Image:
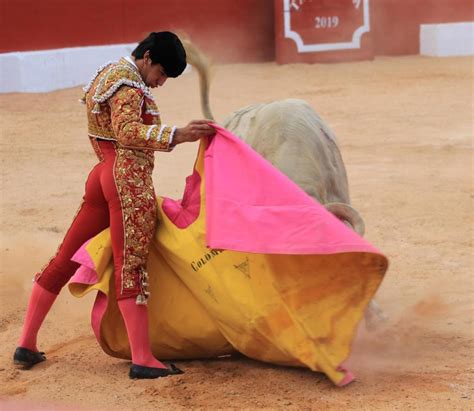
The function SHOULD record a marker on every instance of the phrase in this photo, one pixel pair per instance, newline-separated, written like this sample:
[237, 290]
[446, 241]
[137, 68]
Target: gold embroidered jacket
[121, 108]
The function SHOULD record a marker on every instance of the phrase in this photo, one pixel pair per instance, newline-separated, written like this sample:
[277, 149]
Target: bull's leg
[374, 316]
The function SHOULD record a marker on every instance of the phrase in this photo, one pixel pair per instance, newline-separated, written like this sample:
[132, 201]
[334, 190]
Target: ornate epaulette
[113, 76]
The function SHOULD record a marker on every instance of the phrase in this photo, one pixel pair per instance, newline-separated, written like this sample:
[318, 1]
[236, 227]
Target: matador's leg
[92, 217]
[133, 216]
[90, 220]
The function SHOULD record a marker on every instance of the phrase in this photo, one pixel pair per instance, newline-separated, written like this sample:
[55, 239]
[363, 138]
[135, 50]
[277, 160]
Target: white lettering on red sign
[326, 22]
[296, 4]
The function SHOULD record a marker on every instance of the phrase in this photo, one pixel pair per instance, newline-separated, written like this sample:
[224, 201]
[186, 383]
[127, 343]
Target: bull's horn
[347, 213]
[200, 62]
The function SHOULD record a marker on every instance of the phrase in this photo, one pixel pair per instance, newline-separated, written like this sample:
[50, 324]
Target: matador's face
[152, 74]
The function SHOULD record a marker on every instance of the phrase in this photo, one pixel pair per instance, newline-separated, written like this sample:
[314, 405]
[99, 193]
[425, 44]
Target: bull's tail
[201, 63]
[347, 213]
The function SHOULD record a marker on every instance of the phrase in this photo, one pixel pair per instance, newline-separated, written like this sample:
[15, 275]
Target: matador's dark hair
[165, 49]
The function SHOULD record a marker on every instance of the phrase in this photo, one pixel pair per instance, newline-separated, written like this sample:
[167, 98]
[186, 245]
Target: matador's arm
[126, 109]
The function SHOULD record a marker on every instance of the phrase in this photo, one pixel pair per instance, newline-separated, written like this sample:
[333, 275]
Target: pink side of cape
[86, 273]
[253, 207]
[184, 212]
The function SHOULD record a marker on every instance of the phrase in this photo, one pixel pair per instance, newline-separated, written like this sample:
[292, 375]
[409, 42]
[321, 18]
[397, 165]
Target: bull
[293, 138]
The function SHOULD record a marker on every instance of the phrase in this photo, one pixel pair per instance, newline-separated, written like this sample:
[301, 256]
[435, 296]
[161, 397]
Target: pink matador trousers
[119, 193]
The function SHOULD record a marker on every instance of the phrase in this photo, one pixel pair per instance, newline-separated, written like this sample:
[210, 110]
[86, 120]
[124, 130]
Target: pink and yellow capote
[246, 262]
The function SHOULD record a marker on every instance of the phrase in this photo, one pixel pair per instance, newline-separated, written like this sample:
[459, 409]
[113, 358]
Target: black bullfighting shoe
[27, 358]
[174, 370]
[142, 372]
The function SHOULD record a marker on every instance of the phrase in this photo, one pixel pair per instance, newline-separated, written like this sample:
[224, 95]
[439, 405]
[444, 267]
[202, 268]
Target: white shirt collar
[130, 60]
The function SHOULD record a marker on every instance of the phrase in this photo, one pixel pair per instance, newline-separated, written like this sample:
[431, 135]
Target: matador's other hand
[195, 130]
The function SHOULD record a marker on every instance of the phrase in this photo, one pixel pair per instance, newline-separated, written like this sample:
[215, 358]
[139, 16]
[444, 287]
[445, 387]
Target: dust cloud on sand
[405, 128]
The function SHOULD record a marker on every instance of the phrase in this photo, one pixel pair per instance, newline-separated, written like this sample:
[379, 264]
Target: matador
[125, 129]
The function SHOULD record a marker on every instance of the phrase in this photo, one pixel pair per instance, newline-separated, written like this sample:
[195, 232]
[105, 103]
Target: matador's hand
[195, 130]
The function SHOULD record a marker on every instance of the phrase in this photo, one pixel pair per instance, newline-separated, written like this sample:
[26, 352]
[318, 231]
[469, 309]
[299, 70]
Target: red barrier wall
[228, 30]
[396, 23]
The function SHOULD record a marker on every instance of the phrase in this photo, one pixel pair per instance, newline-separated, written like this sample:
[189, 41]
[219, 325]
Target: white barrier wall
[48, 70]
[445, 40]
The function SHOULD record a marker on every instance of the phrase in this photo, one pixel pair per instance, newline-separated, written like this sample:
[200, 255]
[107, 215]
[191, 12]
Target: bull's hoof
[374, 317]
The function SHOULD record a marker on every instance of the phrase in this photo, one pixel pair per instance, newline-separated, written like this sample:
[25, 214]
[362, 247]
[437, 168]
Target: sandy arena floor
[405, 126]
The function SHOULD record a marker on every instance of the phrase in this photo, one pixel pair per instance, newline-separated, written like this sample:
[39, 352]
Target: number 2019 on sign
[326, 22]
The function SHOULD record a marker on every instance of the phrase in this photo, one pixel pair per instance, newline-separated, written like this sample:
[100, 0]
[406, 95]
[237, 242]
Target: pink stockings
[39, 305]
[136, 322]
[135, 316]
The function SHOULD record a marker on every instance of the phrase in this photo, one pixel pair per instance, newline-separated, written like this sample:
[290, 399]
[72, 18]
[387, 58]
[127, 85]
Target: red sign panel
[323, 25]
[319, 26]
